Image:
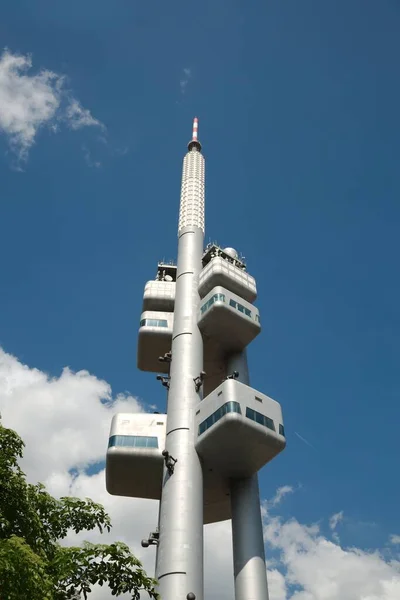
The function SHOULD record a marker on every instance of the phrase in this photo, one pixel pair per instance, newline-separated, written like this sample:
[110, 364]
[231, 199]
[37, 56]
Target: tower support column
[179, 568]
[247, 532]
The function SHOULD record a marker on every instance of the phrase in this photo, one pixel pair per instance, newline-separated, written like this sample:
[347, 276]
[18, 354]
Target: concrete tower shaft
[201, 458]
[247, 531]
[191, 210]
[179, 568]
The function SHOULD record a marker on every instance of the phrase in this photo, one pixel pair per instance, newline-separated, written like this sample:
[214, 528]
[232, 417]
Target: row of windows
[143, 441]
[259, 418]
[240, 307]
[232, 303]
[154, 323]
[218, 414]
[133, 441]
[235, 407]
[210, 302]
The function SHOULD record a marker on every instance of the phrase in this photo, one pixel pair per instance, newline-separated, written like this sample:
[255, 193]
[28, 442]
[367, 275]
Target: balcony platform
[239, 430]
[154, 340]
[134, 464]
[221, 272]
[159, 296]
[228, 319]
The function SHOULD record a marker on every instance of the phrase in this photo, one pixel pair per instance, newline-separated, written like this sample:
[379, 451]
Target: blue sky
[299, 119]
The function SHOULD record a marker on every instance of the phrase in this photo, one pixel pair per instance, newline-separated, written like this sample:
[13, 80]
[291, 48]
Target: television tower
[201, 458]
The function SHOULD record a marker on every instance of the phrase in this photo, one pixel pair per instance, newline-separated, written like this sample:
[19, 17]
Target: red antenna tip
[195, 129]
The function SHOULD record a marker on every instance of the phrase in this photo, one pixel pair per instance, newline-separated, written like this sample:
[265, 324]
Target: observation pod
[221, 269]
[154, 340]
[134, 463]
[232, 321]
[159, 296]
[239, 429]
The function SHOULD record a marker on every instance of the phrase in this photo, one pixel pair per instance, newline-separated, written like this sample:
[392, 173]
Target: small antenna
[194, 142]
[195, 129]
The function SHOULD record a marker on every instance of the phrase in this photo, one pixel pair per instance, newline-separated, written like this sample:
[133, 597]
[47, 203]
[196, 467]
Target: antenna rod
[195, 129]
[194, 142]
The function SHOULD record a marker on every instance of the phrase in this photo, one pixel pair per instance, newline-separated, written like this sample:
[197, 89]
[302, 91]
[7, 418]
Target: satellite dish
[168, 278]
[231, 252]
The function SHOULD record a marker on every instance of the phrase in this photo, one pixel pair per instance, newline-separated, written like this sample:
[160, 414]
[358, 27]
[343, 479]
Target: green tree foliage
[33, 564]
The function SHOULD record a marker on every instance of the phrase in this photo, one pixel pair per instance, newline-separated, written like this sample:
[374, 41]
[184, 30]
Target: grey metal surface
[217, 503]
[159, 295]
[221, 272]
[135, 471]
[154, 341]
[179, 568]
[235, 445]
[138, 472]
[248, 544]
[233, 329]
[214, 365]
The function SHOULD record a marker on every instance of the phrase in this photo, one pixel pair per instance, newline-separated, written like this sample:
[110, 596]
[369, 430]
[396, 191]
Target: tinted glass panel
[250, 414]
[133, 441]
[152, 442]
[269, 423]
[140, 442]
[281, 430]
[259, 418]
[218, 414]
[154, 323]
[210, 302]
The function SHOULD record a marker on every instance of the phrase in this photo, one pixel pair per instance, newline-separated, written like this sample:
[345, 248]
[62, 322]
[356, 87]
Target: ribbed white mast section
[191, 211]
[180, 551]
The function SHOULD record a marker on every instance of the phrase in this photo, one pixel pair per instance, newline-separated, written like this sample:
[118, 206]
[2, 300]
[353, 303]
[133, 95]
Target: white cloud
[276, 585]
[65, 423]
[30, 101]
[187, 74]
[395, 539]
[316, 568]
[78, 117]
[63, 420]
[89, 159]
[280, 494]
[335, 520]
